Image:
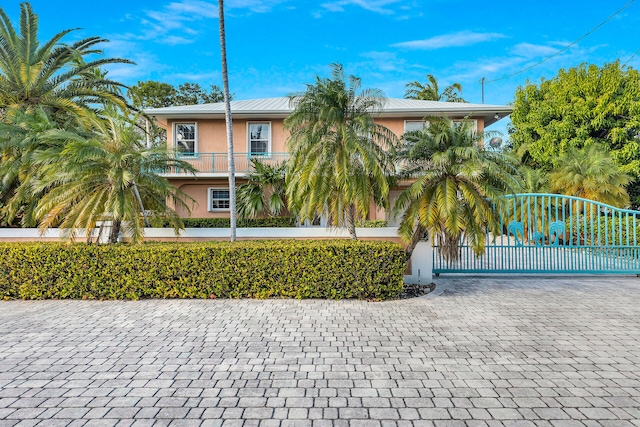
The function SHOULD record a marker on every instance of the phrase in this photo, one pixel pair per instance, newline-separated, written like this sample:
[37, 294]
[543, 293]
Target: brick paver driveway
[488, 351]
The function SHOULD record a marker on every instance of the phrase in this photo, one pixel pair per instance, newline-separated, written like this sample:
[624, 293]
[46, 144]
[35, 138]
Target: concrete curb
[439, 290]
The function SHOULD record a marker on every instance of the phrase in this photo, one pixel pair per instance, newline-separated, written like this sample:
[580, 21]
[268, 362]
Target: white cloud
[459, 39]
[174, 40]
[523, 57]
[186, 8]
[533, 50]
[188, 17]
[377, 6]
[485, 67]
[196, 76]
[382, 61]
[256, 6]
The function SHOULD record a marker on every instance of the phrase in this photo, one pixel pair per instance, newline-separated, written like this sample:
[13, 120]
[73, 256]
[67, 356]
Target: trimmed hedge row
[334, 269]
[372, 223]
[276, 222]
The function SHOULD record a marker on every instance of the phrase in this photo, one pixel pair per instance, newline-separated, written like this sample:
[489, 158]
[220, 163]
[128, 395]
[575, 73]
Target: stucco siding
[212, 135]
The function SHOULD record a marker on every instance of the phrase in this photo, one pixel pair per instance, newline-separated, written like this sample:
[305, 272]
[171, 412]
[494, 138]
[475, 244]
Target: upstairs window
[259, 138]
[411, 125]
[219, 199]
[185, 138]
[473, 122]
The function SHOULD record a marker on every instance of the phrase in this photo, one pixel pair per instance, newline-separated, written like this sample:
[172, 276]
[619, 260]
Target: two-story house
[199, 133]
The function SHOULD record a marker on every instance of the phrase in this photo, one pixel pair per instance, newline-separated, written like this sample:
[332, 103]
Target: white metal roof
[281, 107]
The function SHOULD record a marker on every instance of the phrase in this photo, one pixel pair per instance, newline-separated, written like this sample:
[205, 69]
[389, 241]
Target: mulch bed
[414, 291]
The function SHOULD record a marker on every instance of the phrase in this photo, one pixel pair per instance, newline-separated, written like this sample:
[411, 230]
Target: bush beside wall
[371, 223]
[253, 269]
[275, 222]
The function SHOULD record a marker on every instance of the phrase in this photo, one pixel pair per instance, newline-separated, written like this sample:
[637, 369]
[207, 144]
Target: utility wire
[566, 47]
[631, 57]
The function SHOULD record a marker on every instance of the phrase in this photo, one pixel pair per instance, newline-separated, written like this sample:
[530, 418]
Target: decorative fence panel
[552, 234]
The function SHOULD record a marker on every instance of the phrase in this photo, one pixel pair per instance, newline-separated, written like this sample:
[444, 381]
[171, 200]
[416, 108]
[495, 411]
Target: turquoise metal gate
[551, 233]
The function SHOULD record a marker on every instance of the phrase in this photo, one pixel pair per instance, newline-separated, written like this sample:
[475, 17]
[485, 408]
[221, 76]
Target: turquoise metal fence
[552, 233]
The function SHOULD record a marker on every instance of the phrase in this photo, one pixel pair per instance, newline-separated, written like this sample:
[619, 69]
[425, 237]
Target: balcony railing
[217, 163]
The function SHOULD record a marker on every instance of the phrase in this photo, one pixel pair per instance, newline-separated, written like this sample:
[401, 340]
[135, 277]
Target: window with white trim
[411, 125]
[474, 123]
[219, 199]
[259, 138]
[185, 136]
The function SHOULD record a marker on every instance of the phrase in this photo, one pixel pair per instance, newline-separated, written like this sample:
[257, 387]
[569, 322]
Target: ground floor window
[219, 199]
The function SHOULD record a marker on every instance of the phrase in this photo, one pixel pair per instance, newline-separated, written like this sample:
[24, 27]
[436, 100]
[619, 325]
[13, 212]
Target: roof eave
[490, 113]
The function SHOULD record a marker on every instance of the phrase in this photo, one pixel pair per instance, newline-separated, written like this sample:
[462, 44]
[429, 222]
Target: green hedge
[613, 231]
[255, 269]
[277, 222]
[371, 223]
[274, 222]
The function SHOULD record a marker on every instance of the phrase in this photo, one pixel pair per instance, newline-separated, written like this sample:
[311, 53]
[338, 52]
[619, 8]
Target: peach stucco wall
[211, 138]
[212, 135]
[198, 190]
[396, 125]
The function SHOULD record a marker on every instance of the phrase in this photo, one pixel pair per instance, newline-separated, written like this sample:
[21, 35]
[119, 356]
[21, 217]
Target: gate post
[422, 263]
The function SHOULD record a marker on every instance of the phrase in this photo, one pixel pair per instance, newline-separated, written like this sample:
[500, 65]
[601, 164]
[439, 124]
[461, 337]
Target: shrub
[252, 269]
[371, 223]
[601, 230]
[277, 222]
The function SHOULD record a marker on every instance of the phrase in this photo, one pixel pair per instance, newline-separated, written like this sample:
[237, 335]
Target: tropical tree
[430, 91]
[105, 174]
[340, 158]
[581, 106]
[55, 77]
[533, 180]
[228, 122]
[22, 135]
[153, 94]
[592, 174]
[264, 192]
[193, 93]
[457, 188]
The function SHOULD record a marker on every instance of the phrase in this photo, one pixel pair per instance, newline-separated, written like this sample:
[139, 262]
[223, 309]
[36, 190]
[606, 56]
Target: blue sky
[276, 46]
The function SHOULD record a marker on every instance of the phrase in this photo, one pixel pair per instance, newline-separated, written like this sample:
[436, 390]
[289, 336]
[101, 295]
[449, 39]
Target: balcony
[216, 164]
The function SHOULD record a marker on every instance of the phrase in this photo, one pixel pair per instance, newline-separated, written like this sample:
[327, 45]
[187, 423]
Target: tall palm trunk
[115, 231]
[351, 221]
[418, 234]
[228, 120]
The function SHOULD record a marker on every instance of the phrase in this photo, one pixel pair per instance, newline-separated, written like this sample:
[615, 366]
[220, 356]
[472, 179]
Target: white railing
[217, 163]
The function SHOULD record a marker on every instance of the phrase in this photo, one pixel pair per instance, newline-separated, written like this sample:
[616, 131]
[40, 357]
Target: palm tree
[264, 193]
[106, 175]
[592, 174]
[52, 76]
[339, 160]
[533, 180]
[228, 121]
[431, 91]
[22, 135]
[457, 189]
